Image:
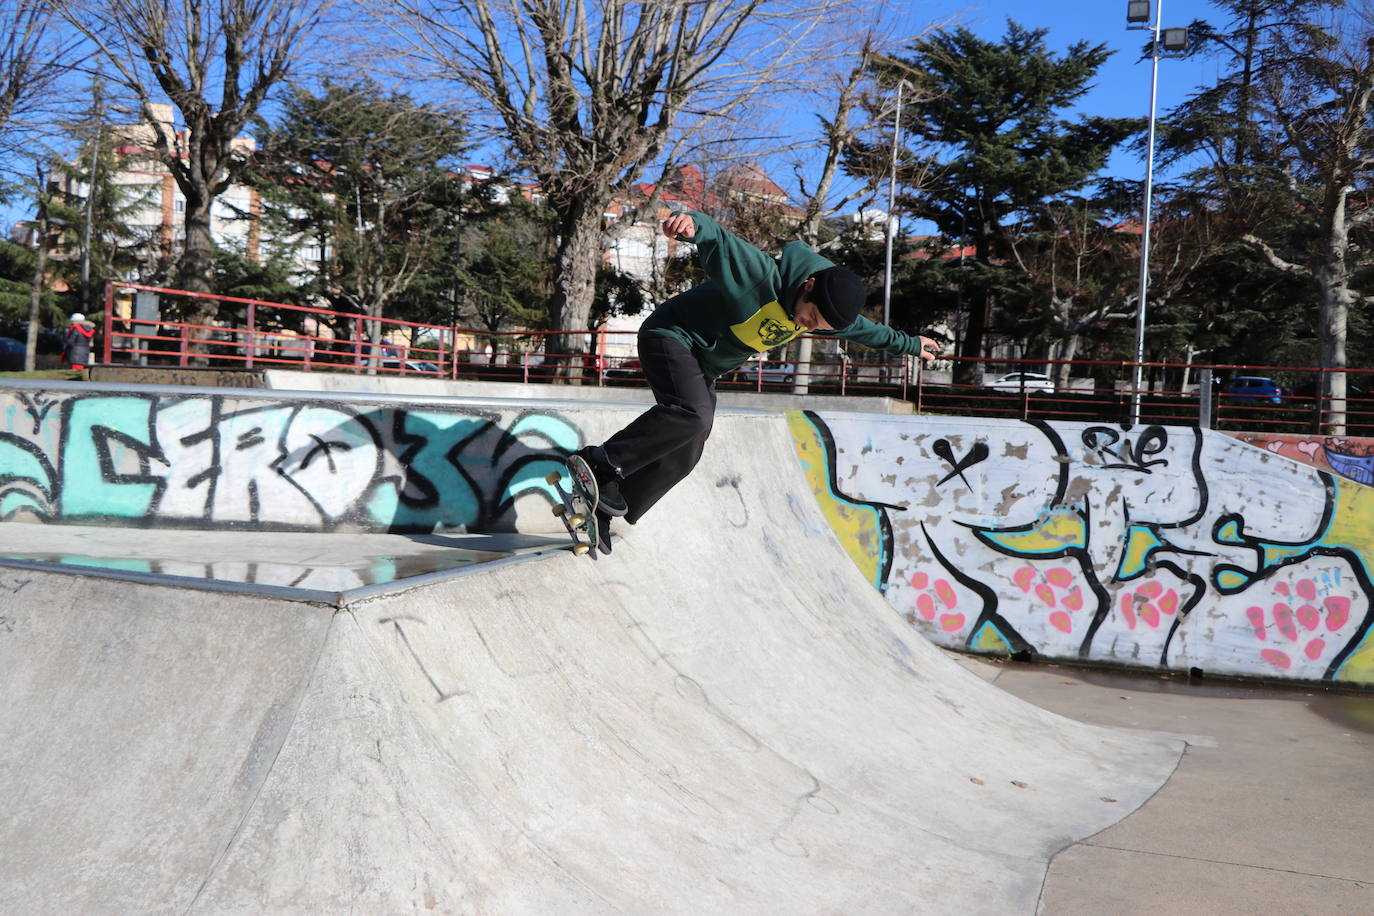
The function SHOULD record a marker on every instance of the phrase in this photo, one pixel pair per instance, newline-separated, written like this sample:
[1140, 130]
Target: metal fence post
[252, 334]
[1205, 419]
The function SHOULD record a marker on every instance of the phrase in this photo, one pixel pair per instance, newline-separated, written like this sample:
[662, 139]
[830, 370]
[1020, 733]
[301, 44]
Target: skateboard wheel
[553, 477]
[560, 510]
[580, 550]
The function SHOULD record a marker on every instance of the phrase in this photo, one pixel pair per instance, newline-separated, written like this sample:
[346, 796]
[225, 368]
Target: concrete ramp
[724, 717]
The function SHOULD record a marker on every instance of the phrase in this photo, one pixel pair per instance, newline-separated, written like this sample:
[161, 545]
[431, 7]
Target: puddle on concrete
[348, 573]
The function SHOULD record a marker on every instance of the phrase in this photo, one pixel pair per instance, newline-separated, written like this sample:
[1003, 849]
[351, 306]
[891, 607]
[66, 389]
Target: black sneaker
[603, 532]
[610, 499]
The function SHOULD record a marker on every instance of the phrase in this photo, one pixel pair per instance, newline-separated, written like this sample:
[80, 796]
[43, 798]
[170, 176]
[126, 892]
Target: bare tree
[1318, 128]
[590, 94]
[217, 61]
[32, 55]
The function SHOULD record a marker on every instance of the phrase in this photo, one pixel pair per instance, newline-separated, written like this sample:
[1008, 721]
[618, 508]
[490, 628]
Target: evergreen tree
[994, 114]
[94, 213]
[366, 180]
[505, 271]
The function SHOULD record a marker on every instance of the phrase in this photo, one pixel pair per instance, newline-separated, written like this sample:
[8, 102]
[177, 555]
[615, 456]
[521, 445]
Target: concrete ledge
[281, 379]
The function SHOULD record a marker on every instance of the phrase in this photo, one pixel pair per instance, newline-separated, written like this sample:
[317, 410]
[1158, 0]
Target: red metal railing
[253, 333]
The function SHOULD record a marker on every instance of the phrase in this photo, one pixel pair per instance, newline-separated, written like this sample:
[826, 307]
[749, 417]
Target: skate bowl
[724, 716]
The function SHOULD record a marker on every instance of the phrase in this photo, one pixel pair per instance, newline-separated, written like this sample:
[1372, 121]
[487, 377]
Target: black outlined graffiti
[275, 463]
[1114, 544]
[978, 453]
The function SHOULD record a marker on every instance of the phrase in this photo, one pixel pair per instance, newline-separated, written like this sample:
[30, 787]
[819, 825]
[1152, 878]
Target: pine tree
[994, 112]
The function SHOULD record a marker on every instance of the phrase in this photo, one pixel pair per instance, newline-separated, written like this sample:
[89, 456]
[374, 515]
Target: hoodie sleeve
[880, 337]
[733, 263]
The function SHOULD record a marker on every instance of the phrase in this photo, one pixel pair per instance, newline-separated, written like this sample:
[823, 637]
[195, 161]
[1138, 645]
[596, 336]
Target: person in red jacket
[76, 342]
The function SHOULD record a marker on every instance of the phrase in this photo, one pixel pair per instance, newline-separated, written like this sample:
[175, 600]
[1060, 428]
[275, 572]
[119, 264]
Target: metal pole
[891, 205]
[1137, 375]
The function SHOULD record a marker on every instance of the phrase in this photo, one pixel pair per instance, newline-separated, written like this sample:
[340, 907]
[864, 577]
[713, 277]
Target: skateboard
[577, 509]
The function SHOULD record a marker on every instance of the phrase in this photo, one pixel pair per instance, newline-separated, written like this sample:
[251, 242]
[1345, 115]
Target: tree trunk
[1331, 337]
[193, 275]
[40, 270]
[1333, 278]
[579, 252]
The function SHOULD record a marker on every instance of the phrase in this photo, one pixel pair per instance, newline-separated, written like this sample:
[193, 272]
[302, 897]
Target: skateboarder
[751, 303]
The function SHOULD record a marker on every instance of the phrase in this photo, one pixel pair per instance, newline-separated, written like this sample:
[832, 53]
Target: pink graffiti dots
[926, 605]
[1309, 617]
[1150, 604]
[1277, 659]
[1054, 590]
[1059, 577]
[937, 599]
[1256, 616]
[1337, 612]
[1297, 624]
[1283, 619]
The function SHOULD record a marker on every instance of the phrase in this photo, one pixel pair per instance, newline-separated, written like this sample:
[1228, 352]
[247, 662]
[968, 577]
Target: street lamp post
[891, 205]
[1173, 41]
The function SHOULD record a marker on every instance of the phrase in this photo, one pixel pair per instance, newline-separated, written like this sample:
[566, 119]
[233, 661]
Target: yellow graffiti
[1058, 530]
[1359, 667]
[1352, 527]
[857, 526]
[990, 641]
[1352, 519]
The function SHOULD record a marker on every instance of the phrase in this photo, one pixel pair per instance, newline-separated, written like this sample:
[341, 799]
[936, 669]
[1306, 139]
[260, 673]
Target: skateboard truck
[577, 508]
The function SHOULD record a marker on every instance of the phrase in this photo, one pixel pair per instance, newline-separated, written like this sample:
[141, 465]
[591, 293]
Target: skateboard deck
[577, 508]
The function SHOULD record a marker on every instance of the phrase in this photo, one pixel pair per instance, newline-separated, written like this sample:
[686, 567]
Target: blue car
[1252, 389]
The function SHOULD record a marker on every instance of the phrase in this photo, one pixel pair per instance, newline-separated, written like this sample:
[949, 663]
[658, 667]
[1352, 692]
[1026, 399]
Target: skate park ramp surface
[722, 717]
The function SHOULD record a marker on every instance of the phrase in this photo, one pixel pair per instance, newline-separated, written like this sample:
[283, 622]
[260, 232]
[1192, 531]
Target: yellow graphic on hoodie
[767, 328]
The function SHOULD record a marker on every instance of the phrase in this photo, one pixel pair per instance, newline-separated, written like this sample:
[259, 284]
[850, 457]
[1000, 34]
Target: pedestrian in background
[76, 342]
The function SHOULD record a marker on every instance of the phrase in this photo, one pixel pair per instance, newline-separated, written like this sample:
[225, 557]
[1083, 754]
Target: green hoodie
[746, 305]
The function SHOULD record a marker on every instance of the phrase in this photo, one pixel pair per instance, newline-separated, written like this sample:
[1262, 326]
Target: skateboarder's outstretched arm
[727, 259]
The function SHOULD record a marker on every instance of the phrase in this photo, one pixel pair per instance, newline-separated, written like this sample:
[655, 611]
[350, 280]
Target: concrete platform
[1271, 810]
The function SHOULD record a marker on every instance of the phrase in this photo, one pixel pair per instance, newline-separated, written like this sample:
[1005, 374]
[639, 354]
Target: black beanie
[839, 295]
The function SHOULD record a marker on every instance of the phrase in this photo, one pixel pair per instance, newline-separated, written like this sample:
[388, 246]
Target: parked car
[1016, 381]
[411, 365]
[11, 354]
[1252, 389]
[772, 372]
[629, 368]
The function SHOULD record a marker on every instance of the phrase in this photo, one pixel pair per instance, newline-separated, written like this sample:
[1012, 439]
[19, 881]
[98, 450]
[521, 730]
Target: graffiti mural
[1349, 457]
[1151, 546]
[234, 461]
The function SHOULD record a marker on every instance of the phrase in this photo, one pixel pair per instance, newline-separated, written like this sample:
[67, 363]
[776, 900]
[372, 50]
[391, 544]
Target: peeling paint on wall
[1153, 546]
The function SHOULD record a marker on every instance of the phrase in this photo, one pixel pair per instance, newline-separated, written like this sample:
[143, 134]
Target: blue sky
[1123, 84]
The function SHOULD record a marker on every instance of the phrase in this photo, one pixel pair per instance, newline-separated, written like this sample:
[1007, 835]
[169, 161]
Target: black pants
[664, 443]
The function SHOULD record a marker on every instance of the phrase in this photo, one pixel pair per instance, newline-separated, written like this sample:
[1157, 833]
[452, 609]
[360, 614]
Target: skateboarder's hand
[930, 349]
[679, 226]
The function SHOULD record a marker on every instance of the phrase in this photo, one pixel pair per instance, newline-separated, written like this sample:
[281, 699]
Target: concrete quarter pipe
[724, 717]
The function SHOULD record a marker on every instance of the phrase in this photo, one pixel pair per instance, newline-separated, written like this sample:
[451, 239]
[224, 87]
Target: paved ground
[1271, 810]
